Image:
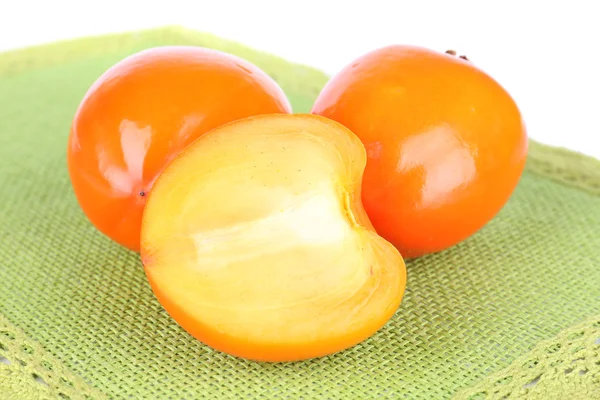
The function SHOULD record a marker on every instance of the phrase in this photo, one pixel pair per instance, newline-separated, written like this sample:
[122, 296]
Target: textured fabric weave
[30, 372]
[564, 367]
[84, 304]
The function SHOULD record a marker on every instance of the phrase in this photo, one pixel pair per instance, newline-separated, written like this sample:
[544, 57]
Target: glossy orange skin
[446, 143]
[141, 112]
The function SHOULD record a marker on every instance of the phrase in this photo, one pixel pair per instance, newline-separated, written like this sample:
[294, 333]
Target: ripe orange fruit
[145, 109]
[262, 254]
[446, 143]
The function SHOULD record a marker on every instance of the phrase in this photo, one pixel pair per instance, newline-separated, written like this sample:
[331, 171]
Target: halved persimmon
[255, 240]
[141, 112]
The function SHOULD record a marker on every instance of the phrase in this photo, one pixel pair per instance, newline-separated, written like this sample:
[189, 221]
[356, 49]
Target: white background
[546, 54]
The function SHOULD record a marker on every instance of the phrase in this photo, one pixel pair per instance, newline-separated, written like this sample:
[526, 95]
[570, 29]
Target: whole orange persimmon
[143, 111]
[446, 143]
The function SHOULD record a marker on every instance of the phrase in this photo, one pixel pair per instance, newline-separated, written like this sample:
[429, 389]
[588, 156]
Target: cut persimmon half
[254, 239]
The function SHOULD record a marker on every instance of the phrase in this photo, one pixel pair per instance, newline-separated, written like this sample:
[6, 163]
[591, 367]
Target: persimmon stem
[453, 53]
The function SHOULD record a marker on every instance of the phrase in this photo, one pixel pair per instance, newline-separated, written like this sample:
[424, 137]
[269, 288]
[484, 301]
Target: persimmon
[446, 143]
[141, 112]
[254, 239]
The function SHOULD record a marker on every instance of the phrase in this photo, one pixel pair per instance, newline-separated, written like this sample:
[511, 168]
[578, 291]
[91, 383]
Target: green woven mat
[513, 311]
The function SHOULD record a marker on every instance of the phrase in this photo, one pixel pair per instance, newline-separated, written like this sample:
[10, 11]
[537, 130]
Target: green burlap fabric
[513, 312]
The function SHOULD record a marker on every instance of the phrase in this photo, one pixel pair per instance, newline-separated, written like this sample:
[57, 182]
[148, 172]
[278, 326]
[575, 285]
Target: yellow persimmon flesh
[254, 239]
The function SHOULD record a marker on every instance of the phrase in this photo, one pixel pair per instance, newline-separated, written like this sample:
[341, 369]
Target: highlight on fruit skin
[446, 143]
[141, 112]
[254, 239]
